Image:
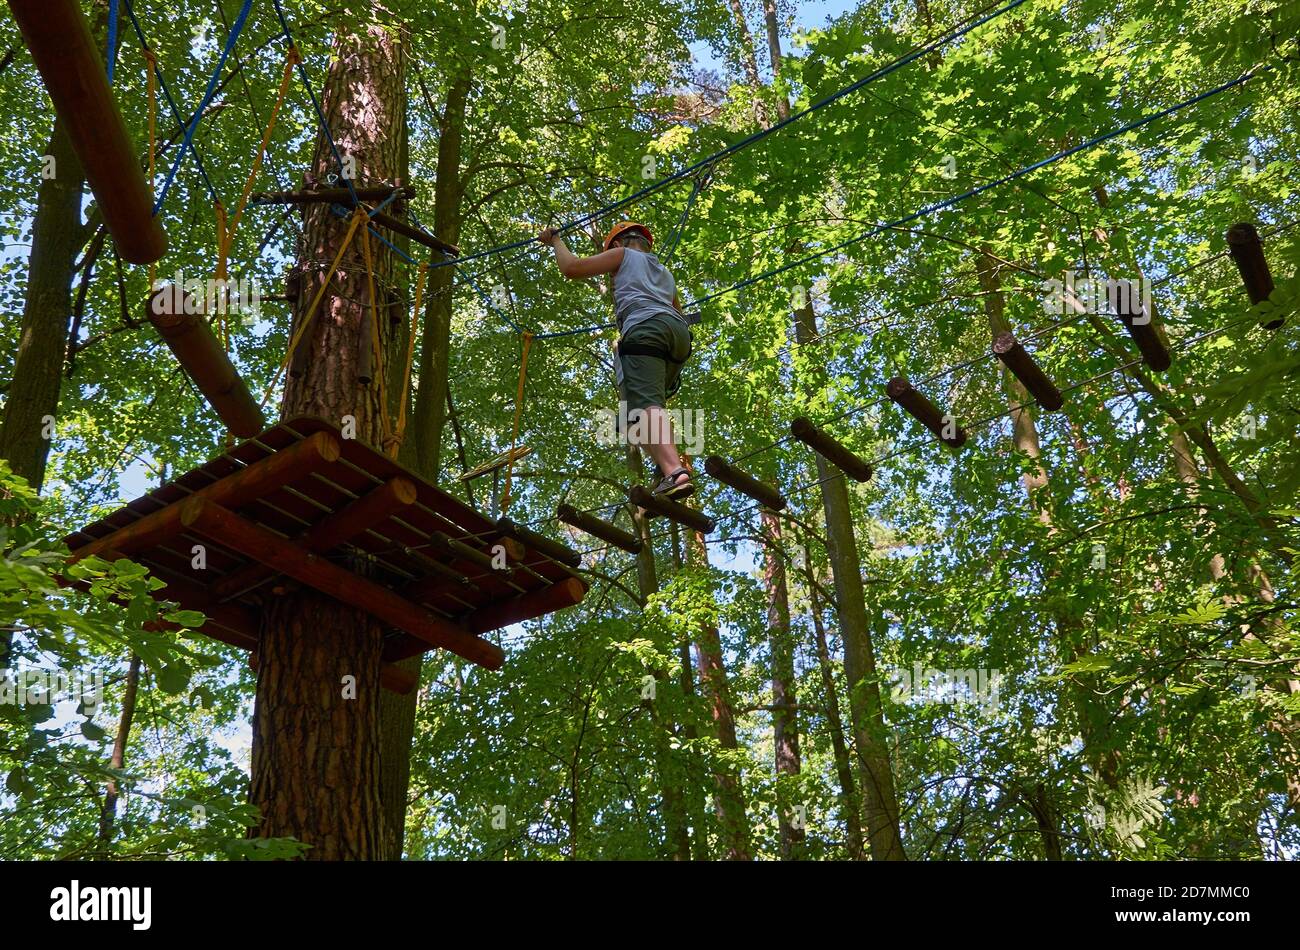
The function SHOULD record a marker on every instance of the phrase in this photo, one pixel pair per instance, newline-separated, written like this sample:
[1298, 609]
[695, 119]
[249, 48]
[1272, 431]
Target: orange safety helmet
[622, 226]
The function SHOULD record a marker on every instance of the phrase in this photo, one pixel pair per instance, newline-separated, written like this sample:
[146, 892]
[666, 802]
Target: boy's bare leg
[662, 446]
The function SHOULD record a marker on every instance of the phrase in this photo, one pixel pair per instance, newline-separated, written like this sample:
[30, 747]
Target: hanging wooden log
[547, 600]
[1015, 358]
[225, 528]
[598, 528]
[672, 510]
[66, 56]
[920, 408]
[259, 479]
[765, 495]
[830, 449]
[1248, 253]
[332, 195]
[1127, 304]
[552, 549]
[190, 338]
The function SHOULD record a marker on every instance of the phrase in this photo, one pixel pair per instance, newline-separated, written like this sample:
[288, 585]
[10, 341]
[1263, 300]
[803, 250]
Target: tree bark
[316, 733]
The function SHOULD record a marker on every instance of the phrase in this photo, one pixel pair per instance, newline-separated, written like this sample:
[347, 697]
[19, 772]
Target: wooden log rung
[1018, 361]
[764, 494]
[190, 338]
[552, 549]
[916, 405]
[672, 510]
[1248, 253]
[1124, 299]
[415, 234]
[830, 449]
[598, 528]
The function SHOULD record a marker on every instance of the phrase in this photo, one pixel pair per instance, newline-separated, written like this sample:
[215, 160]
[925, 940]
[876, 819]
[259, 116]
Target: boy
[654, 339]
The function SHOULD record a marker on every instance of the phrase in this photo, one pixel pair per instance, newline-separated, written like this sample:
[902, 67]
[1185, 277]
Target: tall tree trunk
[108, 811]
[729, 795]
[421, 451]
[849, 798]
[785, 718]
[866, 713]
[316, 736]
[672, 774]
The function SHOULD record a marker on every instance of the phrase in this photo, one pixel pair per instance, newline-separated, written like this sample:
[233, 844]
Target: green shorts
[649, 380]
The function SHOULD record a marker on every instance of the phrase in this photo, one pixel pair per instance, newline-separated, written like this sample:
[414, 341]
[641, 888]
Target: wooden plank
[535, 604]
[1016, 359]
[925, 412]
[225, 527]
[672, 510]
[272, 472]
[191, 340]
[598, 528]
[334, 530]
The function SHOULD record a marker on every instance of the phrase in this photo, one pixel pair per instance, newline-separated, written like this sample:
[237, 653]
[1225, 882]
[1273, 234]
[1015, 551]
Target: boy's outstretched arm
[572, 267]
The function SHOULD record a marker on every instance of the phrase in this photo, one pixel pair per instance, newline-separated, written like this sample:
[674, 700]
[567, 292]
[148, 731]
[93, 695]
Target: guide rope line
[980, 189]
[208, 93]
[400, 432]
[157, 75]
[944, 39]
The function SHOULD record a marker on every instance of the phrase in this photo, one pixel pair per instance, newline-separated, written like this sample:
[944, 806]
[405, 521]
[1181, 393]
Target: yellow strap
[227, 237]
[399, 434]
[519, 411]
[376, 354]
[357, 217]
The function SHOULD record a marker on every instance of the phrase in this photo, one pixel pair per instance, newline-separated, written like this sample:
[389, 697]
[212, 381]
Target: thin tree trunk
[316, 735]
[849, 798]
[729, 795]
[785, 717]
[866, 713]
[108, 813]
[672, 774]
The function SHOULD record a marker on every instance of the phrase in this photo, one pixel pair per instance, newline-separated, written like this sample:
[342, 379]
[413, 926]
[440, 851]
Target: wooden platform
[299, 504]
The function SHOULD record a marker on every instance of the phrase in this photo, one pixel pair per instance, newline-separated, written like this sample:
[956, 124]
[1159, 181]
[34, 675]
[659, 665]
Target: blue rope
[110, 54]
[207, 98]
[897, 64]
[671, 243]
[385, 203]
[320, 113]
[979, 189]
[171, 102]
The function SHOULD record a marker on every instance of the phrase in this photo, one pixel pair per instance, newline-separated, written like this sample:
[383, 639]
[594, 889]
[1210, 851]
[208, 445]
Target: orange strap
[519, 411]
[226, 236]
